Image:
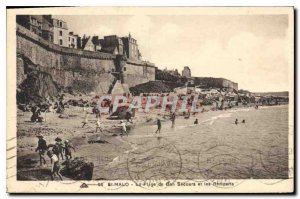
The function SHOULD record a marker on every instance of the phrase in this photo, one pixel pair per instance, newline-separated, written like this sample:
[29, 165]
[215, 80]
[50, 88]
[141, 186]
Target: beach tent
[120, 113]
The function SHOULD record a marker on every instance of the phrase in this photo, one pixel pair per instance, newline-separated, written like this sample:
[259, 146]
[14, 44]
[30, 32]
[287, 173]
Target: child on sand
[68, 147]
[173, 117]
[58, 148]
[158, 126]
[123, 128]
[85, 120]
[55, 168]
[41, 148]
[196, 121]
[98, 126]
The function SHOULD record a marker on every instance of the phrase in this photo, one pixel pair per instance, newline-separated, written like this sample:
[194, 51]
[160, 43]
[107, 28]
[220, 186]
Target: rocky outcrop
[75, 169]
[33, 85]
[78, 169]
[154, 87]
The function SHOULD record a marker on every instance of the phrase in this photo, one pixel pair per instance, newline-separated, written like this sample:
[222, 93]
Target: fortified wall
[86, 71]
[205, 82]
[137, 73]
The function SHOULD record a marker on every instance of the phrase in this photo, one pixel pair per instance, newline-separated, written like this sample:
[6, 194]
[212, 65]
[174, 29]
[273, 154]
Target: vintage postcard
[150, 100]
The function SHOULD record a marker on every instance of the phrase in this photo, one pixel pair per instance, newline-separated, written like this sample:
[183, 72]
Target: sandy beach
[215, 148]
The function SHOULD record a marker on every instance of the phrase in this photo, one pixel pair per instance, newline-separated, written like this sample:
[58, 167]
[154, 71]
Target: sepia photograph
[150, 100]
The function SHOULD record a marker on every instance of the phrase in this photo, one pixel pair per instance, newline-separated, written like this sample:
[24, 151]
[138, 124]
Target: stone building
[73, 40]
[131, 48]
[60, 65]
[31, 22]
[112, 44]
[173, 72]
[38, 24]
[186, 72]
[47, 28]
[90, 43]
[60, 33]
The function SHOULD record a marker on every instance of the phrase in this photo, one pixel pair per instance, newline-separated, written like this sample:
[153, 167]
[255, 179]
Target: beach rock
[78, 169]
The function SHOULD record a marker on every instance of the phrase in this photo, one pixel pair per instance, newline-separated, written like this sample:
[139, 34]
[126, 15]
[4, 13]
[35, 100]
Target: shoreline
[81, 136]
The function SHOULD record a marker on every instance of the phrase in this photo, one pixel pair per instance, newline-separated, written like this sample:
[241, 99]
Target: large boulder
[78, 169]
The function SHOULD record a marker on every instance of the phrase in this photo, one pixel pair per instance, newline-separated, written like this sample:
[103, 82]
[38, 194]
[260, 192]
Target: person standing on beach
[110, 108]
[68, 147]
[97, 112]
[58, 148]
[98, 126]
[158, 126]
[85, 120]
[55, 168]
[236, 121]
[128, 116]
[41, 148]
[196, 121]
[173, 117]
[123, 128]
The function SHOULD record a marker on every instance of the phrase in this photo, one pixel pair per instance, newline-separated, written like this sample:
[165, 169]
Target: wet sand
[215, 148]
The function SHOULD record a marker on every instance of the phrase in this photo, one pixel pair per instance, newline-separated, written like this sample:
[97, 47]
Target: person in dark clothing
[196, 121]
[173, 117]
[68, 152]
[61, 104]
[244, 121]
[58, 148]
[188, 115]
[158, 126]
[110, 108]
[128, 117]
[41, 148]
[36, 114]
[236, 121]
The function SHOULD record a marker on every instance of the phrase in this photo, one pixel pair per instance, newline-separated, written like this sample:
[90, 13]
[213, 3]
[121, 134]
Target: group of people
[47, 106]
[237, 121]
[54, 152]
[172, 118]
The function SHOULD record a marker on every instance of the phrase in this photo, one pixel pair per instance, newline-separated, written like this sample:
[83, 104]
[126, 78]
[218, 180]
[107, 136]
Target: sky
[247, 49]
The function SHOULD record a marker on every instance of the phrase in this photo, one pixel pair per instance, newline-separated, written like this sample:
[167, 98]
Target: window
[69, 38]
[33, 21]
[50, 37]
[60, 42]
[39, 25]
[60, 24]
[60, 33]
[124, 68]
[72, 39]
